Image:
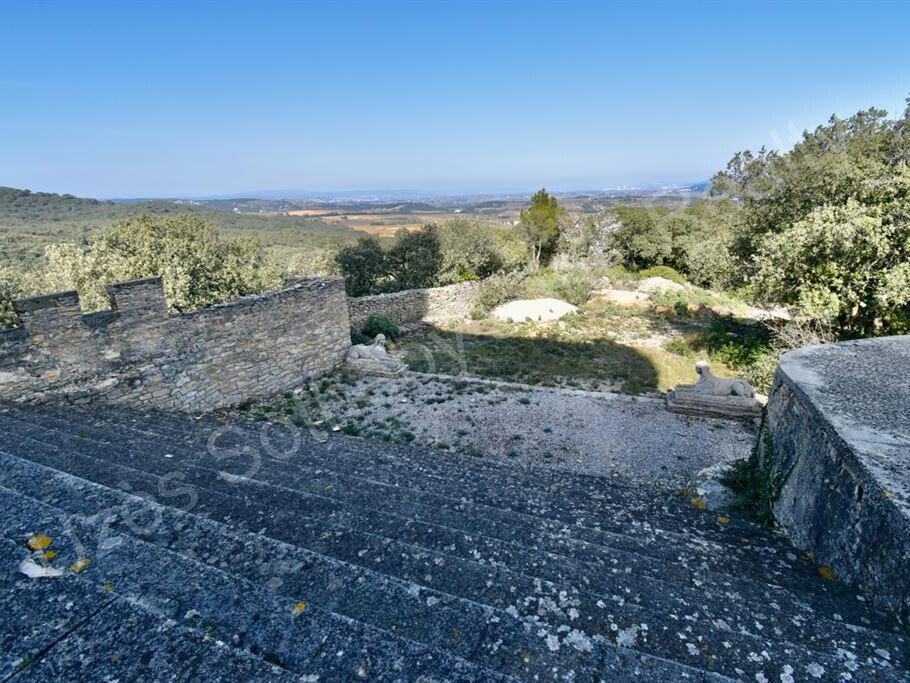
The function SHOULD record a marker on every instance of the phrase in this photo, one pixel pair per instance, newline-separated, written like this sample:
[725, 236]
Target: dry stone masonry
[136, 353]
[413, 305]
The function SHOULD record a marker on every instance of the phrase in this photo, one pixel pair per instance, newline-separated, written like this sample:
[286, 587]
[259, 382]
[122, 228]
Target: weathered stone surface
[538, 310]
[412, 305]
[137, 354]
[684, 399]
[418, 562]
[659, 284]
[373, 359]
[839, 422]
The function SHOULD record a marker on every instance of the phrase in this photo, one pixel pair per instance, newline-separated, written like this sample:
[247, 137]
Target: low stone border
[839, 427]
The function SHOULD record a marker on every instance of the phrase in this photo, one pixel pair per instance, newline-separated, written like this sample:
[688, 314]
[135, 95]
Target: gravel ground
[595, 433]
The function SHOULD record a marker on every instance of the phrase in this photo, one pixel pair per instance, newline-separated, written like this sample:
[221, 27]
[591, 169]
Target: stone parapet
[138, 354]
[839, 427]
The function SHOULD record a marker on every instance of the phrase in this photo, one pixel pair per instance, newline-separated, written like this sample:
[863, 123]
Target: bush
[470, 251]
[572, 285]
[665, 272]
[363, 266]
[497, 290]
[415, 259]
[358, 337]
[643, 237]
[379, 324]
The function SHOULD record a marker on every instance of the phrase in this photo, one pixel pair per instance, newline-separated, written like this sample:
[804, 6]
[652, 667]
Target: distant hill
[31, 220]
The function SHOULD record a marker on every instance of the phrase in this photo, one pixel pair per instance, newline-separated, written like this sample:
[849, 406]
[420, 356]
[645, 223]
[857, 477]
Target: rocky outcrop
[839, 461]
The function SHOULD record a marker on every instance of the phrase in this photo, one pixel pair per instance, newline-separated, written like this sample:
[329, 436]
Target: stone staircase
[238, 550]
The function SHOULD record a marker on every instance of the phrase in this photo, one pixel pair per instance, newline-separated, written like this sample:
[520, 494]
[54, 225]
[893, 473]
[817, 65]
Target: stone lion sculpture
[720, 386]
[374, 358]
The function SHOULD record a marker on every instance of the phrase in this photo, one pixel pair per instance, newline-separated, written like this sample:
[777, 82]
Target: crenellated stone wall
[838, 419]
[413, 305]
[137, 353]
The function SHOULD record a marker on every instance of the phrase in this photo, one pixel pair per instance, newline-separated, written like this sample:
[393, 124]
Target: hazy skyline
[167, 99]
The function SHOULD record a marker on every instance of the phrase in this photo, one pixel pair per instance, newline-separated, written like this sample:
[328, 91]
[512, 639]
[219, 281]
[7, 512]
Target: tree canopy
[540, 225]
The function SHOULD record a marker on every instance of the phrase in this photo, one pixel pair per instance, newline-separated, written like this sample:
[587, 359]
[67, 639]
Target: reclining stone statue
[374, 359]
[716, 396]
[720, 386]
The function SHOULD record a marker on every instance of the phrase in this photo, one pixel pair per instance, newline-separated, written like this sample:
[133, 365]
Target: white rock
[538, 310]
[657, 284]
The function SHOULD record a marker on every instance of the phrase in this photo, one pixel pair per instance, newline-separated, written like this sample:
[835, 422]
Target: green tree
[540, 226]
[198, 266]
[363, 266]
[846, 264]
[828, 166]
[470, 251]
[415, 259]
[643, 237]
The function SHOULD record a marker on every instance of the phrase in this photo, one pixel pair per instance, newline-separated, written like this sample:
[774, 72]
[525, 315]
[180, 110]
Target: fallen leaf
[699, 503]
[39, 542]
[49, 555]
[79, 565]
[298, 609]
[723, 520]
[826, 573]
[108, 586]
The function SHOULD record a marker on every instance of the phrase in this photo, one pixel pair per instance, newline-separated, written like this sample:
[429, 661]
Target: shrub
[379, 324]
[470, 251]
[199, 267]
[497, 290]
[363, 266]
[415, 259]
[643, 238]
[665, 272]
[358, 337]
[573, 285]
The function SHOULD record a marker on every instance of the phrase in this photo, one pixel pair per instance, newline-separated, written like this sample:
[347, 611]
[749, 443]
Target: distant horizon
[386, 194]
[439, 98]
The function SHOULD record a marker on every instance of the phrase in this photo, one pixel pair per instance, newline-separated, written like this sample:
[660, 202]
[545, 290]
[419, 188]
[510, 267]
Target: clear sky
[135, 99]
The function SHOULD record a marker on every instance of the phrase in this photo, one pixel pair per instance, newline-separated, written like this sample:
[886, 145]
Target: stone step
[67, 628]
[248, 616]
[551, 602]
[687, 563]
[508, 494]
[486, 636]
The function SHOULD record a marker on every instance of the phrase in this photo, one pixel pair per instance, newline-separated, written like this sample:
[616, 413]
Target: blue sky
[180, 99]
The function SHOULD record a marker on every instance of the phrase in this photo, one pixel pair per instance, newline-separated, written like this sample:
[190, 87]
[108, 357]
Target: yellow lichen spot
[298, 609]
[79, 565]
[699, 503]
[723, 520]
[108, 586]
[39, 542]
[49, 555]
[826, 573]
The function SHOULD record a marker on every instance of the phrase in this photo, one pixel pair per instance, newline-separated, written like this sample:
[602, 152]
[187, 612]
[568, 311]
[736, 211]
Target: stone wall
[839, 428]
[137, 353]
[413, 305]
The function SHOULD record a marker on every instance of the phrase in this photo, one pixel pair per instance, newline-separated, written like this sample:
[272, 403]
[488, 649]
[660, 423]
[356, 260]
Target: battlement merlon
[143, 296]
[60, 304]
